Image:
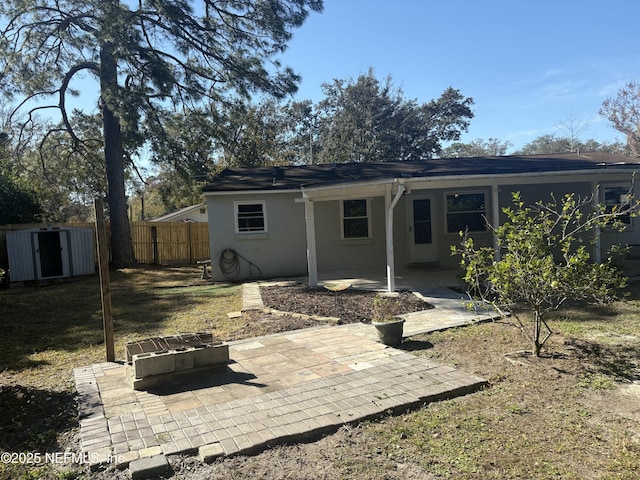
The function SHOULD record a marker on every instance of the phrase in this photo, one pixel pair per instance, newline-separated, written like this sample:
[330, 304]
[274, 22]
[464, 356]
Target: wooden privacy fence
[159, 243]
[170, 242]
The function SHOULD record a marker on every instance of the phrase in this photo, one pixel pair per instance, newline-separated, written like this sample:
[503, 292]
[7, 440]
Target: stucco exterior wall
[532, 193]
[281, 251]
[335, 253]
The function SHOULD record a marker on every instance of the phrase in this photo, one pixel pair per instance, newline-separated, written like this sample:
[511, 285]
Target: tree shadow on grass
[33, 419]
[619, 362]
[68, 316]
[584, 312]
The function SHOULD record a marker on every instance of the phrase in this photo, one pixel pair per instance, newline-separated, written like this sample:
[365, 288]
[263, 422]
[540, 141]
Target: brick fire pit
[160, 361]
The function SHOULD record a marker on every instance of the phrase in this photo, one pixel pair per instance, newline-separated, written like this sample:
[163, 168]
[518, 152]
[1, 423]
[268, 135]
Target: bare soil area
[350, 305]
[318, 307]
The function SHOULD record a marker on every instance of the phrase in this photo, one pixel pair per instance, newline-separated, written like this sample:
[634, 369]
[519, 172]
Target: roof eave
[308, 191]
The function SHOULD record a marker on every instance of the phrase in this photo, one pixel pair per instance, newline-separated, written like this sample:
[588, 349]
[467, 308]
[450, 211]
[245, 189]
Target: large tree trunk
[121, 244]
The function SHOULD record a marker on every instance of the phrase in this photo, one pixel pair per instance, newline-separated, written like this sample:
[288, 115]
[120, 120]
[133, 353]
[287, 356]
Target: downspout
[391, 279]
[310, 226]
[495, 201]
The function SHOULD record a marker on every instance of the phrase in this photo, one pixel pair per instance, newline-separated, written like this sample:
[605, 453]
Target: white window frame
[627, 187]
[237, 218]
[367, 216]
[465, 192]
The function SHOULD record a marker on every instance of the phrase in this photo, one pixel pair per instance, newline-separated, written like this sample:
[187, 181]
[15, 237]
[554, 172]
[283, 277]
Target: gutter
[440, 178]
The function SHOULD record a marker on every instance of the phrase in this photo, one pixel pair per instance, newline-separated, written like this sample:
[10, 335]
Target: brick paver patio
[277, 389]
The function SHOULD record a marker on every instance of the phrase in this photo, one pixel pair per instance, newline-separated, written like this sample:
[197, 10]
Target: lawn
[574, 414]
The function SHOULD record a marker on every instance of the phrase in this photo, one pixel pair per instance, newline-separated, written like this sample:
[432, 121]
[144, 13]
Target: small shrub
[383, 309]
[544, 260]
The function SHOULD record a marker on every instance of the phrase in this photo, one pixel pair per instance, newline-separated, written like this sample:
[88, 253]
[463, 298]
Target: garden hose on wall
[229, 262]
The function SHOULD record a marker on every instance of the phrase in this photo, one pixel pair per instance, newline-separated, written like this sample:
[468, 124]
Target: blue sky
[530, 66]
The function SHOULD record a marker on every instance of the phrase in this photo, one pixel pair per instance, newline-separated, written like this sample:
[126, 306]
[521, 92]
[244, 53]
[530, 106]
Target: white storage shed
[50, 252]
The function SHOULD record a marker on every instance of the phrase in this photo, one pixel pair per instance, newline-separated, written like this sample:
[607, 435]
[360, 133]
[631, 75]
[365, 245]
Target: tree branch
[62, 94]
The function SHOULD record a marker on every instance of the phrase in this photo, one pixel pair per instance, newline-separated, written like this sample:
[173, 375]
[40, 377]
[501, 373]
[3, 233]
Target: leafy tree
[303, 141]
[477, 148]
[147, 57]
[250, 135]
[268, 133]
[18, 203]
[544, 261]
[168, 191]
[623, 111]
[196, 145]
[369, 120]
[67, 181]
[546, 144]
[236, 133]
[355, 122]
[184, 145]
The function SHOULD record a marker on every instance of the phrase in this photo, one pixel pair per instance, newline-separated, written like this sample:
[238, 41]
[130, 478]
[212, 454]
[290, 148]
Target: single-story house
[305, 219]
[192, 213]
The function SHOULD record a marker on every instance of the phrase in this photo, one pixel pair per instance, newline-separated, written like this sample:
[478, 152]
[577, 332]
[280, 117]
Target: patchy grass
[49, 330]
[568, 415]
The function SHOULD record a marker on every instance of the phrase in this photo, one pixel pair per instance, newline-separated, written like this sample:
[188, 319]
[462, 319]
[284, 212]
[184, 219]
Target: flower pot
[390, 333]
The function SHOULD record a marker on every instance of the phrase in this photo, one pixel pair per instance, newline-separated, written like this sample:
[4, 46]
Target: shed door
[422, 239]
[52, 257]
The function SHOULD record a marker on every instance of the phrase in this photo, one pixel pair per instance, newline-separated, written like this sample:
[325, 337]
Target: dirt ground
[319, 306]
[350, 305]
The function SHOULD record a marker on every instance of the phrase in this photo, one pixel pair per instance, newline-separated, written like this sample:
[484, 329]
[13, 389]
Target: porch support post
[597, 244]
[310, 222]
[390, 205]
[495, 202]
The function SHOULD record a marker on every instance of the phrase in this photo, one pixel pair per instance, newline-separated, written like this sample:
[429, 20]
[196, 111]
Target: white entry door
[422, 234]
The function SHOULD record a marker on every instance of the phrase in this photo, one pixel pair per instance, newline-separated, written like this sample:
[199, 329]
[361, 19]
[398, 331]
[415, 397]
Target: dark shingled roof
[296, 176]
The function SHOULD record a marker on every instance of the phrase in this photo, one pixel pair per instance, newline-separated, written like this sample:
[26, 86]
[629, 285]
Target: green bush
[544, 260]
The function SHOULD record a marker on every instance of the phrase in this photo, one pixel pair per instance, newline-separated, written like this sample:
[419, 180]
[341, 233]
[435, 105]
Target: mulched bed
[350, 306]
[258, 324]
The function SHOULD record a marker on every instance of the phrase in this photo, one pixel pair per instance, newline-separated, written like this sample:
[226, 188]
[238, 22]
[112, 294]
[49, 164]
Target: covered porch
[418, 278]
[448, 204]
[398, 247]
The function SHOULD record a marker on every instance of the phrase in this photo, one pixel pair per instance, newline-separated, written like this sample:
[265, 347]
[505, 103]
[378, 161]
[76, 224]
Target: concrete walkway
[277, 389]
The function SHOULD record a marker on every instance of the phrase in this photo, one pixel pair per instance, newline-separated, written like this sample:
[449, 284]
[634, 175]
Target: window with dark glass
[616, 197]
[466, 211]
[250, 217]
[355, 219]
